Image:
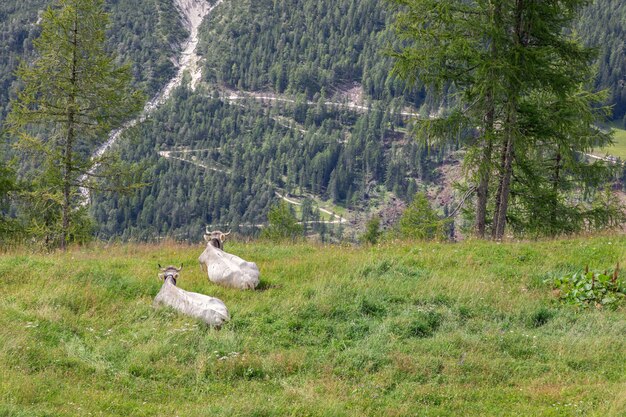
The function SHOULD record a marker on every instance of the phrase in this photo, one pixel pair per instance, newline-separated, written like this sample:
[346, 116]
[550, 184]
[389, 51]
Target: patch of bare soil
[450, 172]
[351, 93]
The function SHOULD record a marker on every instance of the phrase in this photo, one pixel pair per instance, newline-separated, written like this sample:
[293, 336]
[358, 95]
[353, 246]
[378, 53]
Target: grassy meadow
[402, 329]
[619, 146]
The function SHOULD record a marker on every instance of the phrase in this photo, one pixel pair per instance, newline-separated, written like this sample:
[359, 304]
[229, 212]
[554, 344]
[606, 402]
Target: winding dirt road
[234, 95]
[170, 155]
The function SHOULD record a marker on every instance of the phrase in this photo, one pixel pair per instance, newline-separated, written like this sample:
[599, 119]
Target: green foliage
[557, 191]
[420, 221]
[589, 288]
[8, 186]
[145, 33]
[372, 230]
[525, 85]
[283, 224]
[39, 209]
[301, 46]
[73, 95]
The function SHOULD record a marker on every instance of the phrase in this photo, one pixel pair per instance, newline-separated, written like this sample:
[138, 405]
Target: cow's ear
[222, 237]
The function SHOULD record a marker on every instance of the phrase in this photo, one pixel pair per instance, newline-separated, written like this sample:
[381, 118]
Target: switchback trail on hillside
[181, 156]
[268, 97]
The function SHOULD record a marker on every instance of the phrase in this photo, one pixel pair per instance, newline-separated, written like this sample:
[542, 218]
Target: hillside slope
[402, 329]
[143, 33]
[350, 156]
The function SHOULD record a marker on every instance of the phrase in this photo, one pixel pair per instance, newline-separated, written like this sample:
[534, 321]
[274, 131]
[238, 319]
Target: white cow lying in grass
[208, 309]
[226, 269]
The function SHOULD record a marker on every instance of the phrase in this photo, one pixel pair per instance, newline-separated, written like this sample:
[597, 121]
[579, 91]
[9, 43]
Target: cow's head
[215, 238]
[170, 272]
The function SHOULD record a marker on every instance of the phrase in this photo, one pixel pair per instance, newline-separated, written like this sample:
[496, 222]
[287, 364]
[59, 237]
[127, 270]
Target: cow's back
[229, 270]
[211, 310]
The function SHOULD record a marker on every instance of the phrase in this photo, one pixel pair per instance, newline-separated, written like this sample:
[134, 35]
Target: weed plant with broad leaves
[588, 288]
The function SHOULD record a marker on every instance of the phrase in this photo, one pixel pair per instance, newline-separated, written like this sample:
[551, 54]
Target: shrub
[372, 231]
[420, 221]
[283, 224]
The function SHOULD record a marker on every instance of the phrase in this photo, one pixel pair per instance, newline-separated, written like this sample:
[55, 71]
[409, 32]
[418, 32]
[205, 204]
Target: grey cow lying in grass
[208, 309]
[224, 268]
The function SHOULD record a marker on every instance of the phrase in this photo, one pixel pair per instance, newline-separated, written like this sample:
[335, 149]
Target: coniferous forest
[299, 100]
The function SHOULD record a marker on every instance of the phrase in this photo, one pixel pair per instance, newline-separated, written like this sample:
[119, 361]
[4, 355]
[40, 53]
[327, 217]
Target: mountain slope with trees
[601, 25]
[300, 46]
[239, 156]
[144, 33]
[307, 52]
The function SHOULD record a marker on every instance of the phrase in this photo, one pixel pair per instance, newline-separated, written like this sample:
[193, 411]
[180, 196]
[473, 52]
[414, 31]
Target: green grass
[619, 147]
[404, 329]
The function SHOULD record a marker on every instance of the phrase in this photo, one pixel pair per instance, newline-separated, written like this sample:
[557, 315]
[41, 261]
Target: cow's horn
[181, 268]
[206, 230]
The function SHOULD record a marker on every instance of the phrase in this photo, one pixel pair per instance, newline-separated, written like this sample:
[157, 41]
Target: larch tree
[73, 95]
[455, 46]
[511, 64]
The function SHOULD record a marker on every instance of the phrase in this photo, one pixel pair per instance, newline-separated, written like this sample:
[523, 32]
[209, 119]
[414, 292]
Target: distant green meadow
[400, 329]
[619, 146]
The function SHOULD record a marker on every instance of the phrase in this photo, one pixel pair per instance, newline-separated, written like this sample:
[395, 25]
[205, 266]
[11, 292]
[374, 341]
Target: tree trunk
[555, 192]
[69, 142]
[483, 189]
[504, 190]
[67, 162]
[498, 203]
[508, 151]
[484, 171]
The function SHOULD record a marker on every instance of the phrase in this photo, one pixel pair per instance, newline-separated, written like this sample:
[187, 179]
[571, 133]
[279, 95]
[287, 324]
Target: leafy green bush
[420, 221]
[585, 288]
[372, 231]
[283, 224]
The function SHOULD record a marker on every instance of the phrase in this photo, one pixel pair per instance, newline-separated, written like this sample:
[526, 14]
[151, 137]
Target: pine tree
[455, 46]
[511, 62]
[73, 95]
[420, 221]
[283, 224]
